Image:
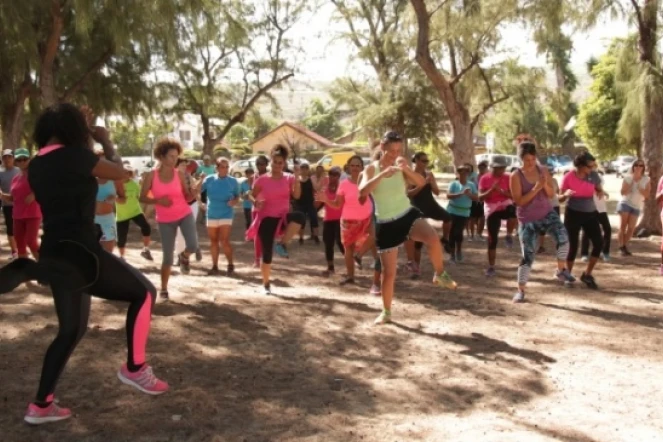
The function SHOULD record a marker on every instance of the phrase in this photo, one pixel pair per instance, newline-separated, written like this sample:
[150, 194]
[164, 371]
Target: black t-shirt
[65, 189]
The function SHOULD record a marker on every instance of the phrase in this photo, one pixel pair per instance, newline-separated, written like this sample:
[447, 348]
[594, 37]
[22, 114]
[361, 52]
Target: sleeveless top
[390, 197]
[179, 209]
[538, 208]
[306, 198]
[424, 200]
[105, 190]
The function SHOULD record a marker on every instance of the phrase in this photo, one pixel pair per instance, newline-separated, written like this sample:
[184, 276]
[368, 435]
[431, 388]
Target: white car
[512, 161]
[622, 164]
[238, 168]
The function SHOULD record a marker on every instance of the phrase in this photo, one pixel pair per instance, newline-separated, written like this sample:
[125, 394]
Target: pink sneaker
[375, 290]
[37, 415]
[144, 380]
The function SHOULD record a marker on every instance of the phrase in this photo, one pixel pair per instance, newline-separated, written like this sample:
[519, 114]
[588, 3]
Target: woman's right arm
[145, 189]
[626, 188]
[369, 180]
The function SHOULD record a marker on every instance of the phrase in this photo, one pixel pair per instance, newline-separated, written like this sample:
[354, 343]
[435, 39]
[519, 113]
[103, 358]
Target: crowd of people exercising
[85, 200]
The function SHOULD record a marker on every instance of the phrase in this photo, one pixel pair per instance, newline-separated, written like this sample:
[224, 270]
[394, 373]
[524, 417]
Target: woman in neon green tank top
[397, 221]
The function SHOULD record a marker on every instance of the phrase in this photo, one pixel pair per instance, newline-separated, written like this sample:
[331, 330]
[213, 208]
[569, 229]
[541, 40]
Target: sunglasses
[635, 165]
[425, 161]
[391, 136]
[20, 160]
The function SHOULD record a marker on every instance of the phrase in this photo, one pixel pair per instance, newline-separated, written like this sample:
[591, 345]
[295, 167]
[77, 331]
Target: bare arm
[297, 188]
[433, 183]
[645, 192]
[410, 175]
[516, 190]
[119, 189]
[626, 188]
[414, 191]
[145, 189]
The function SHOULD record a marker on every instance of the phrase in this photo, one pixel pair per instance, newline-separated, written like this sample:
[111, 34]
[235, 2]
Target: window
[326, 161]
[185, 135]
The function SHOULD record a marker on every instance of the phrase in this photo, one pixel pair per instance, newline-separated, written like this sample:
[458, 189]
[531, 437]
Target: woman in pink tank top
[169, 194]
[271, 195]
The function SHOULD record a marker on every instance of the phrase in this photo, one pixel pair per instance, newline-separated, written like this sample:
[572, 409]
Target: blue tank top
[105, 190]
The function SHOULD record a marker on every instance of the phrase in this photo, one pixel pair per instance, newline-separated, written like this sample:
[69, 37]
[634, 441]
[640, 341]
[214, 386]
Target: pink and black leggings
[110, 278]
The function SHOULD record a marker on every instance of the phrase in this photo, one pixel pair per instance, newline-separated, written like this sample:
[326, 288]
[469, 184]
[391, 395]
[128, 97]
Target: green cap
[21, 153]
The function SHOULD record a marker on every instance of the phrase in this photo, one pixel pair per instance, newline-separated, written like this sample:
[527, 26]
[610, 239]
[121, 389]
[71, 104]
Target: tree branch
[239, 117]
[488, 107]
[78, 85]
[638, 14]
[474, 61]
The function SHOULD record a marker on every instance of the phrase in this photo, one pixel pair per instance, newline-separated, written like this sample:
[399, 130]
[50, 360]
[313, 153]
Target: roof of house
[302, 130]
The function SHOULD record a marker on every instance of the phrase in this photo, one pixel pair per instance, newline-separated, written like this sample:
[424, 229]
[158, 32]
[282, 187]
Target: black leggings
[331, 234]
[588, 222]
[104, 276]
[267, 232]
[248, 217]
[494, 222]
[123, 229]
[456, 233]
[604, 221]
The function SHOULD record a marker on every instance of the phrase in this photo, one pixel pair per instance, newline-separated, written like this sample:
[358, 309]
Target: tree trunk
[12, 126]
[652, 123]
[652, 140]
[462, 144]
[48, 51]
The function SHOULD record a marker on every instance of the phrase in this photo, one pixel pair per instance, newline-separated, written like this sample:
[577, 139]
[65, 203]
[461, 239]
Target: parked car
[238, 168]
[512, 161]
[621, 161]
[625, 168]
[335, 159]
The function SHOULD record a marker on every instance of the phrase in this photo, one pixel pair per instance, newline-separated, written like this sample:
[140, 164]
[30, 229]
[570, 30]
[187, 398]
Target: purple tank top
[538, 208]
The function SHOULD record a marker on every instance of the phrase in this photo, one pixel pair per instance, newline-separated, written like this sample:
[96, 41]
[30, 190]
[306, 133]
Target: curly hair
[279, 151]
[165, 145]
[63, 122]
[355, 157]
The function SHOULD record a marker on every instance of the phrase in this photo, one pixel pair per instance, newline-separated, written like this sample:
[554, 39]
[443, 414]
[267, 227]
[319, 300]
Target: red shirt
[486, 182]
[20, 189]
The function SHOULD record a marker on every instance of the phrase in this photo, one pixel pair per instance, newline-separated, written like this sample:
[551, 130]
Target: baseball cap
[462, 167]
[498, 163]
[7, 153]
[207, 157]
[21, 153]
[335, 170]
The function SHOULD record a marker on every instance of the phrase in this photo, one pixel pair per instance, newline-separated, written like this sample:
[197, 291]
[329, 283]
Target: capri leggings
[123, 229]
[8, 212]
[456, 233]
[168, 232]
[26, 234]
[267, 232]
[310, 212]
[529, 239]
[607, 235]
[574, 221]
[494, 222]
[331, 234]
[104, 276]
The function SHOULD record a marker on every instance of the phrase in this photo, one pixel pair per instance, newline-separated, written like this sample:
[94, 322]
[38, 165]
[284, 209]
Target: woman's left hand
[233, 202]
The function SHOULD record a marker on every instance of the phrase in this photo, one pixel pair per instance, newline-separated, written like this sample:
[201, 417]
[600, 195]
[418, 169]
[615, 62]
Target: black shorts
[392, 234]
[477, 209]
[8, 212]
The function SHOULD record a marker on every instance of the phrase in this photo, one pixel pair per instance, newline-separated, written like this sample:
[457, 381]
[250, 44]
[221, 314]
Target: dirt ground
[306, 364]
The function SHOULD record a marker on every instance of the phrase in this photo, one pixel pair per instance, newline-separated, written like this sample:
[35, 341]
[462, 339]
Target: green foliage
[133, 140]
[239, 134]
[603, 124]
[322, 120]
[220, 151]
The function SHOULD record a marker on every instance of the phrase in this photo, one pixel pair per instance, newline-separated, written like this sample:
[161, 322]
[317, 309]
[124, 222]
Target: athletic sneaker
[519, 297]
[214, 271]
[376, 291]
[184, 264]
[460, 257]
[163, 294]
[357, 259]
[490, 272]
[146, 254]
[199, 255]
[347, 280]
[330, 271]
[144, 380]
[280, 250]
[589, 281]
[445, 280]
[509, 242]
[605, 257]
[470, 238]
[230, 270]
[36, 415]
[267, 290]
[584, 259]
[565, 276]
[384, 318]
[413, 268]
[624, 251]
[301, 241]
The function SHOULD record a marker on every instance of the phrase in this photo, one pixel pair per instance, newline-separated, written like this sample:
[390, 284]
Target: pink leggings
[26, 234]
